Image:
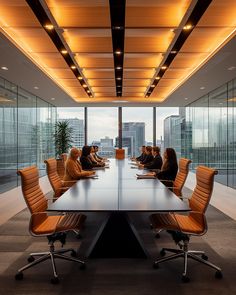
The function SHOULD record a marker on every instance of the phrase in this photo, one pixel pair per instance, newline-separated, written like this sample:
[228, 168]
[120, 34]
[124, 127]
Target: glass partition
[26, 132]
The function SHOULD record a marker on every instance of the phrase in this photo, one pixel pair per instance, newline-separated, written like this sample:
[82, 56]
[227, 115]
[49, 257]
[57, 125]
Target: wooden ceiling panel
[103, 89]
[95, 60]
[138, 74]
[205, 39]
[51, 60]
[32, 40]
[167, 82]
[155, 13]
[102, 82]
[160, 91]
[62, 73]
[99, 74]
[136, 82]
[219, 14]
[175, 73]
[187, 60]
[132, 94]
[134, 89]
[88, 40]
[78, 16]
[69, 82]
[17, 14]
[147, 40]
[107, 94]
[139, 60]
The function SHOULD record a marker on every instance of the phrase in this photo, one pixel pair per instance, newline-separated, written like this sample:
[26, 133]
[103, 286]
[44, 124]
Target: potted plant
[63, 142]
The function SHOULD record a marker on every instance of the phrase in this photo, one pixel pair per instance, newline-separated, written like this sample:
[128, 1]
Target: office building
[125, 74]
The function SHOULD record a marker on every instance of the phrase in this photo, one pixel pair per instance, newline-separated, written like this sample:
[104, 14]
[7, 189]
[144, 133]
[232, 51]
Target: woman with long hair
[169, 168]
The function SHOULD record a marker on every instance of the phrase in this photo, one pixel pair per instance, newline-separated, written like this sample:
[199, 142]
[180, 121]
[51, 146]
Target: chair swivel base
[185, 253]
[52, 254]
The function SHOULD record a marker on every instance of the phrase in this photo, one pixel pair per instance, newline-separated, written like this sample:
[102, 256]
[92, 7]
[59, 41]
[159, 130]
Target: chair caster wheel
[73, 253]
[31, 259]
[83, 266]
[162, 252]
[218, 274]
[157, 236]
[19, 276]
[155, 265]
[55, 281]
[185, 279]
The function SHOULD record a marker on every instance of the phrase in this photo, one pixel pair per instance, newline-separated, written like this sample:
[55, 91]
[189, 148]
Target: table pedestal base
[117, 238]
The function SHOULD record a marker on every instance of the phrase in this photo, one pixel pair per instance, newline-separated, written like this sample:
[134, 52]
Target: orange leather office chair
[58, 185]
[193, 224]
[177, 185]
[41, 224]
[61, 165]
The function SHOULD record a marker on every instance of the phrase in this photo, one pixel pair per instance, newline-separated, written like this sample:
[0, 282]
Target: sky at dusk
[104, 121]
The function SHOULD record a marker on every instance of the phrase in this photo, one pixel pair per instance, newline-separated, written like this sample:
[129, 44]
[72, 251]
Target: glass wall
[26, 132]
[213, 122]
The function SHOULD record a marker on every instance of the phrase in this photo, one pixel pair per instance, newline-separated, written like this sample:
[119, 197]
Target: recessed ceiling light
[186, 98]
[164, 67]
[84, 85]
[63, 51]
[117, 27]
[80, 78]
[4, 68]
[202, 87]
[36, 87]
[152, 86]
[53, 98]
[231, 68]
[157, 78]
[73, 67]
[88, 91]
[146, 95]
[118, 86]
[118, 52]
[173, 52]
[187, 27]
[118, 78]
[49, 27]
[118, 68]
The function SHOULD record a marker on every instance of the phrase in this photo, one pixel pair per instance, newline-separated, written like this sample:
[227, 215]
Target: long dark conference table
[117, 191]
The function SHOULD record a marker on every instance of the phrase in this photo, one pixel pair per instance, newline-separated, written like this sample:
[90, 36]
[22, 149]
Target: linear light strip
[198, 11]
[46, 23]
[117, 14]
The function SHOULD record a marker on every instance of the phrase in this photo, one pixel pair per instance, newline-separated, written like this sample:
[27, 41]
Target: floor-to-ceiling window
[213, 122]
[26, 132]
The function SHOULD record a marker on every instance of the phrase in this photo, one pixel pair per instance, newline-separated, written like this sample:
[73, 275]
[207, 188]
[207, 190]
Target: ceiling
[149, 52]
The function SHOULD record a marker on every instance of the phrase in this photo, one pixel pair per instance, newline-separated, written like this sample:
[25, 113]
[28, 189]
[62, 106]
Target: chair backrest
[202, 193]
[31, 190]
[54, 178]
[181, 176]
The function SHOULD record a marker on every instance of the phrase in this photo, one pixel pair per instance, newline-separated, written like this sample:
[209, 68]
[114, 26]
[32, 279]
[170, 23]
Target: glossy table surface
[118, 189]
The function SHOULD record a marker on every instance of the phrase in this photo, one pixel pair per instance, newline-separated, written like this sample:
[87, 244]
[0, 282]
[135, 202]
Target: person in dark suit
[85, 160]
[148, 157]
[156, 163]
[169, 168]
[143, 154]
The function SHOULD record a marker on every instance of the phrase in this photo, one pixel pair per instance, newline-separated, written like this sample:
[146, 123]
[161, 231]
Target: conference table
[117, 191]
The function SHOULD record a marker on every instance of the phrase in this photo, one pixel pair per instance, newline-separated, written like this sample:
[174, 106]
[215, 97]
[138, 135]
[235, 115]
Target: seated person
[87, 161]
[169, 168]
[94, 157]
[156, 163]
[142, 156]
[97, 157]
[73, 169]
[148, 156]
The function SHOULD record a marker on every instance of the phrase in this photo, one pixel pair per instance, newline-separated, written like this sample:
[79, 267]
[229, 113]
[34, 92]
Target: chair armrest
[69, 183]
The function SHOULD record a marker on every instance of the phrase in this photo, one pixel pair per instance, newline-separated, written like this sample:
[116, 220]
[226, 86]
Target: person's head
[86, 150]
[75, 153]
[170, 155]
[143, 148]
[95, 147]
[148, 150]
[92, 149]
[155, 150]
